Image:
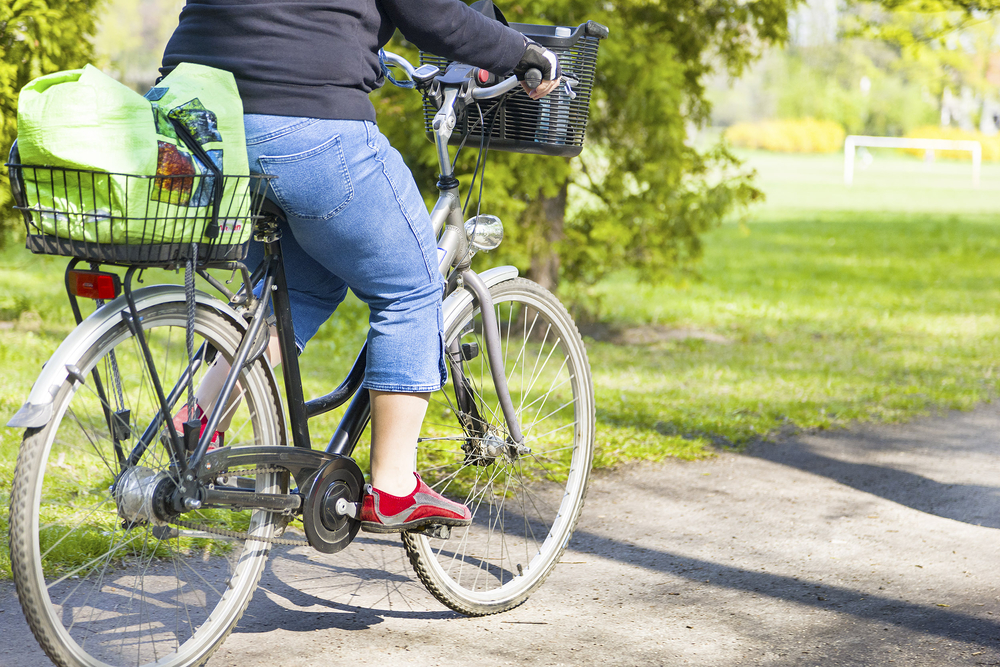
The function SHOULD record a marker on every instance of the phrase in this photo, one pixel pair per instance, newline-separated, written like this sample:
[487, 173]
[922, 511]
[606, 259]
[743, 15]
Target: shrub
[805, 135]
[36, 37]
[991, 145]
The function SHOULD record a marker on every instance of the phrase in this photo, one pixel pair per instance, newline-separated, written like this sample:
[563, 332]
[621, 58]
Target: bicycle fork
[491, 334]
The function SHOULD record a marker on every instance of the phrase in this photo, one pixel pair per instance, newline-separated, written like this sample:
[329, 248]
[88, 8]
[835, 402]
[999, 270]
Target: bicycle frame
[453, 248]
[454, 264]
[148, 570]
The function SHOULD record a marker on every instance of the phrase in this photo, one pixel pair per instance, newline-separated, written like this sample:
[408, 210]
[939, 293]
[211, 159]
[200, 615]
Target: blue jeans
[357, 220]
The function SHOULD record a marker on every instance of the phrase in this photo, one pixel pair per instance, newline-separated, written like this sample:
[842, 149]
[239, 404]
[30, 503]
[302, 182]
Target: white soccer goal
[853, 141]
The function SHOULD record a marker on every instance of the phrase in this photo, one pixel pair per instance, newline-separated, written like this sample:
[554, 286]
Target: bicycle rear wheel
[524, 504]
[98, 589]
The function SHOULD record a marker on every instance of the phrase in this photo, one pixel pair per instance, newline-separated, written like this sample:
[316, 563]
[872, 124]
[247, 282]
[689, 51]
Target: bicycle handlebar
[455, 88]
[508, 84]
[533, 78]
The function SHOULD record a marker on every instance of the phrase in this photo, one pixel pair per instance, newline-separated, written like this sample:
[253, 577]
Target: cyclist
[304, 69]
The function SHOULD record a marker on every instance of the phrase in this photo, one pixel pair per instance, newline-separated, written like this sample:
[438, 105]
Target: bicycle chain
[234, 534]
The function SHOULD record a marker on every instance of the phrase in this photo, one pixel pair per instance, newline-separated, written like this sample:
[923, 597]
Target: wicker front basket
[131, 219]
[554, 125]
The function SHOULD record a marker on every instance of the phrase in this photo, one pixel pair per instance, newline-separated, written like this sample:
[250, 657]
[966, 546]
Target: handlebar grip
[533, 77]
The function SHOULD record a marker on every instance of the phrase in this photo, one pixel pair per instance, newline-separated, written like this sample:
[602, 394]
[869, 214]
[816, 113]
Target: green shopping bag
[203, 103]
[83, 119]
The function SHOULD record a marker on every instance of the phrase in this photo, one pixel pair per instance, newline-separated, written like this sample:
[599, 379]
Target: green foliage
[36, 37]
[640, 195]
[131, 35]
[945, 43]
[823, 82]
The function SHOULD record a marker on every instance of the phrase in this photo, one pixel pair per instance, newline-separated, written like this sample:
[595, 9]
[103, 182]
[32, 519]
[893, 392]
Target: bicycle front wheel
[525, 503]
[99, 586]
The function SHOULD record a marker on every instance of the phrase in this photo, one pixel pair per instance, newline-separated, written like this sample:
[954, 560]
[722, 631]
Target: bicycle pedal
[436, 530]
[165, 532]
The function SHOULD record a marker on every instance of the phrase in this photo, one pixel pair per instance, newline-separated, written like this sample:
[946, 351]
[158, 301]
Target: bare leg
[208, 389]
[396, 420]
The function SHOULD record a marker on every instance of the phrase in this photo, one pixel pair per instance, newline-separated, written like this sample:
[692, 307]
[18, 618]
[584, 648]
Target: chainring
[338, 479]
[326, 530]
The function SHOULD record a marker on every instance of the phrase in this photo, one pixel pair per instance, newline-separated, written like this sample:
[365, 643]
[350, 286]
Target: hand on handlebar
[543, 88]
[538, 70]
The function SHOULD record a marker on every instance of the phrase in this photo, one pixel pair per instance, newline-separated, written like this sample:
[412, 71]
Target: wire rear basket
[131, 219]
[554, 125]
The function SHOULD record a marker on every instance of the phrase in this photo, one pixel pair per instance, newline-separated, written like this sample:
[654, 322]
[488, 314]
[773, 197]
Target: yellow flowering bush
[991, 145]
[803, 135]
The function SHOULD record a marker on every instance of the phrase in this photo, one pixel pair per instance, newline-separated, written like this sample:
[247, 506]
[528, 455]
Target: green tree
[824, 82]
[943, 43]
[37, 37]
[641, 194]
[131, 35]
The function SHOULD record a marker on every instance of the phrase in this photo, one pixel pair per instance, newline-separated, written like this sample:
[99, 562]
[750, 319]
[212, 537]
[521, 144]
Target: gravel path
[871, 546]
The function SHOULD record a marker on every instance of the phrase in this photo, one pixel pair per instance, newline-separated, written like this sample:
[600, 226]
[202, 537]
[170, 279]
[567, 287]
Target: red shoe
[385, 513]
[218, 438]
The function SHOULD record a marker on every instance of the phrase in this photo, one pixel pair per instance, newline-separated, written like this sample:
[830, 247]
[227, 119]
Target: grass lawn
[834, 304]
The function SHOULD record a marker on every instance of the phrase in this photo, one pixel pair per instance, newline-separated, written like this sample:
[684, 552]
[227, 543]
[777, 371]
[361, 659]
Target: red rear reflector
[94, 284]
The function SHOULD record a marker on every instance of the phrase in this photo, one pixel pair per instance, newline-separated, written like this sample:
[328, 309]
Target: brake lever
[567, 88]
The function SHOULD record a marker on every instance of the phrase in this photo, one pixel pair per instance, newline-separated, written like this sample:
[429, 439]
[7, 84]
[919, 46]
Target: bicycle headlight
[485, 232]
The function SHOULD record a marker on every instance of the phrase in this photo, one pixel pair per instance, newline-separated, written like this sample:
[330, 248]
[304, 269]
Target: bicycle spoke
[540, 436]
[126, 596]
[70, 531]
[552, 387]
[533, 376]
[108, 555]
[521, 519]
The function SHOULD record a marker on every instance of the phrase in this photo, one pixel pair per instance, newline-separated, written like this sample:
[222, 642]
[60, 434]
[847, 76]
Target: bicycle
[134, 542]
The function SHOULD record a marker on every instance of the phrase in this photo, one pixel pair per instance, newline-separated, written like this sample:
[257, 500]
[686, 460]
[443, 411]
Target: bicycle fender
[37, 410]
[461, 298]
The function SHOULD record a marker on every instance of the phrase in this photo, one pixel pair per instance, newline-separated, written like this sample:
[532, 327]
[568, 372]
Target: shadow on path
[349, 592]
[385, 594]
[974, 504]
[860, 604]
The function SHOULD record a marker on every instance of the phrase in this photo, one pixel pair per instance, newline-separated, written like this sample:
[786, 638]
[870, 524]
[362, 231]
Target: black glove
[538, 57]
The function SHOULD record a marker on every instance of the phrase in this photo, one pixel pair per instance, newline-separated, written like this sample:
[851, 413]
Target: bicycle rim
[525, 505]
[98, 590]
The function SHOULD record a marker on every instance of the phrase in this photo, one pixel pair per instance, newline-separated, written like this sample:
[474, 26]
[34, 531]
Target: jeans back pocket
[314, 184]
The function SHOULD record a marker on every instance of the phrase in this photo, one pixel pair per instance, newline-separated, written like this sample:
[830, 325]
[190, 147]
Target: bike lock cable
[189, 298]
[387, 74]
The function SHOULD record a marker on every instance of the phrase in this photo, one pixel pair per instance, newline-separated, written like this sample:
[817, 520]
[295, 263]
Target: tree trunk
[546, 215]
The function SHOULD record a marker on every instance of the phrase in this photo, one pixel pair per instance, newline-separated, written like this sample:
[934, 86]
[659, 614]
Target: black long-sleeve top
[319, 58]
